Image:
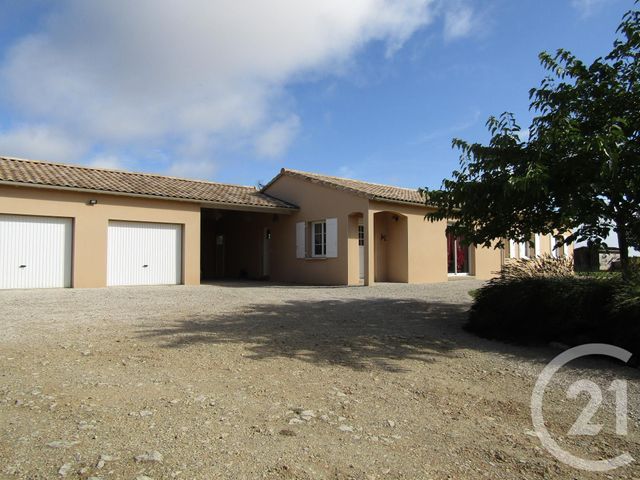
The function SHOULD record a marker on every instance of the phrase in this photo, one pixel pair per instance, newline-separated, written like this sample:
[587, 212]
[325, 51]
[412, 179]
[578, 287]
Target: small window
[361, 235]
[319, 233]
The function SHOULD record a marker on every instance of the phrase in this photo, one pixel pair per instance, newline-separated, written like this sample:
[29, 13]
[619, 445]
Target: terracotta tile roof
[372, 191]
[116, 181]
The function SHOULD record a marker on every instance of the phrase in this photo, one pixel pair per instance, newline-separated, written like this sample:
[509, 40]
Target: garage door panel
[144, 253]
[35, 252]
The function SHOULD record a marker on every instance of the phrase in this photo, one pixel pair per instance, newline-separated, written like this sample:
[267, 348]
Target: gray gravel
[253, 380]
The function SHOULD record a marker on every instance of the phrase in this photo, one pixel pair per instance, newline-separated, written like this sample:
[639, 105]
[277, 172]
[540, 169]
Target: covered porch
[378, 247]
[237, 244]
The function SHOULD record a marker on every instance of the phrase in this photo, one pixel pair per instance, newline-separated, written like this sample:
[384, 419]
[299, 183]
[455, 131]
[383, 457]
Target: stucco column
[369, 240]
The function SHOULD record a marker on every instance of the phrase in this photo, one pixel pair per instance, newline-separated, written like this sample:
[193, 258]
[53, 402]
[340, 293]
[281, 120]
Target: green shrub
[602, 275]
[625, 316]
[541, 300]
[535, 310]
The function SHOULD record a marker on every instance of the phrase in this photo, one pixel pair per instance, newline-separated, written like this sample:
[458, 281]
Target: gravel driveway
[252, 380]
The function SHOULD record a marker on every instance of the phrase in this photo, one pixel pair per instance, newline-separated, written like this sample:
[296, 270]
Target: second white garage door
[144, 254]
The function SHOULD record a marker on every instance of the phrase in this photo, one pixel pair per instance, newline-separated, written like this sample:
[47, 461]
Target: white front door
[361, 249]
[35, 252]
[144, 254]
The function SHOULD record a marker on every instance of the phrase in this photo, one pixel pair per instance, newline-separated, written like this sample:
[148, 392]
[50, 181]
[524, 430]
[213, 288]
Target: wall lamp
[92, 202]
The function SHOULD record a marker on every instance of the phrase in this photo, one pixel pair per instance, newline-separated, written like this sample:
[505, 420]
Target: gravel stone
[150, 457]
[62, 444]
[64, 469]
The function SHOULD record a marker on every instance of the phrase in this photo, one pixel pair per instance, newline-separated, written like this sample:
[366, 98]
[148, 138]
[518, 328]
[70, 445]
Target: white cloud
[275, 140]
[586, 8]
[201, 169]
[42, 143]
[459, 21]
[155, 73]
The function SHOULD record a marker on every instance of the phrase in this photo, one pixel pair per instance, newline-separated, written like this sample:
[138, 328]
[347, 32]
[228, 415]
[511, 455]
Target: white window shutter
[301, 236]
[332, 237]
[523, 249]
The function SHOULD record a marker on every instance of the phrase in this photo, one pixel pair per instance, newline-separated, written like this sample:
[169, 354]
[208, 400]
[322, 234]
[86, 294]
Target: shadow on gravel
[359, 334]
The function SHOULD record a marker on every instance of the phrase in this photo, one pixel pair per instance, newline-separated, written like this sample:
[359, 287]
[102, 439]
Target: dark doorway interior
[235, 244]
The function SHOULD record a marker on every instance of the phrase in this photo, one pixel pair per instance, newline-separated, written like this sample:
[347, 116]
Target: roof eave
[402, 202]
[249, 208]
[219, 205]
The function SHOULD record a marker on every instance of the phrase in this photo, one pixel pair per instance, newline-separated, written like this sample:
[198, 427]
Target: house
[74, 226]
[592, 258]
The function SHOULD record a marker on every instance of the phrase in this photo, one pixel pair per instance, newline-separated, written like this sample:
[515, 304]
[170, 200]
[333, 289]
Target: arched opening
[391, 247]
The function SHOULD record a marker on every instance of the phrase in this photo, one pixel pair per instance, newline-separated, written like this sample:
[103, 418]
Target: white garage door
[35, 252]
[144, 254]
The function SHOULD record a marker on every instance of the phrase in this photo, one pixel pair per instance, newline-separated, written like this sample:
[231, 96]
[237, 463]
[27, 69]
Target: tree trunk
[623, 244]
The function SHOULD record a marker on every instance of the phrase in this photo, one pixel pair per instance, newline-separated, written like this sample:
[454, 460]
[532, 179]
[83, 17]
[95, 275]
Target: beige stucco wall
[485, 262]
[391, 247]
[90, 225]
[426, 243]
[316, 202]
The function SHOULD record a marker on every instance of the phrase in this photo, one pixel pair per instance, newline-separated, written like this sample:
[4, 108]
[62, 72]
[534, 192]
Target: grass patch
[604, 275]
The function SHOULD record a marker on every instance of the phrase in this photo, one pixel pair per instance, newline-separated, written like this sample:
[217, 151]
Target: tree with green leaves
[577, 170]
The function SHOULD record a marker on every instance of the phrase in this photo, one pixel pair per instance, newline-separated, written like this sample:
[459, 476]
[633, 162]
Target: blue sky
[370, 89]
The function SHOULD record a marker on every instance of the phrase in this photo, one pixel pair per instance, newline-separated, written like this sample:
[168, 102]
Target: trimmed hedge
[570, 310]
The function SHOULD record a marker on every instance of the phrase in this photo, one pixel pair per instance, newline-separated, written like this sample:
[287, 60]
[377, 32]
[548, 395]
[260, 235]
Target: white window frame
[323, 234]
